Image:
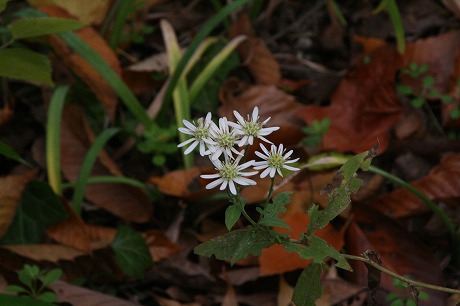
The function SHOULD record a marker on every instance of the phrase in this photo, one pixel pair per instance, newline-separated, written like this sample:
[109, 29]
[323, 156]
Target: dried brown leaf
[45, 252]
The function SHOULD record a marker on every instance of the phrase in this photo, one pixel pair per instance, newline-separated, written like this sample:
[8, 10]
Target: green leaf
[269, 215]
[237, 244]
[455, 113]
[308, 288]
[33, 27]
[16, 289]
[418, 102]
[7, 151]
[38, 208]
[447, 99]
[47, 296]
[428, 81]
[3, 4]
[25, 65]
[404, 89]
[51, 276]
[131, 252]
[8, 300]
[339, 191]
[318, 250]
[391, 296]
[232, 215]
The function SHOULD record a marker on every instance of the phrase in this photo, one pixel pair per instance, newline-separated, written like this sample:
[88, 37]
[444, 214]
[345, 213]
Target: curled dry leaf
[126, 202]
[275, 260]
[11, 188]
[442, 183]
[261, 62]
[103, 91]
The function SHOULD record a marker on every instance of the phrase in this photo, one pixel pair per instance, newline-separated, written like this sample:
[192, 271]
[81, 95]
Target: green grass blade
[53, 138]
[104, 69]
[202, 34]
[212, 67]
[33, 27]
[87, 165]
[7, 151]
[109, 180]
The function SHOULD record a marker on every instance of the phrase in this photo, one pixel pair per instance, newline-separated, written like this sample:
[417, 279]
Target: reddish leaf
[442, 183]
[81, 67]
[364, 106]
[124, 201]
[263, 66]
[11, 188]
[272, 102]
[399, 250]
[275, 260]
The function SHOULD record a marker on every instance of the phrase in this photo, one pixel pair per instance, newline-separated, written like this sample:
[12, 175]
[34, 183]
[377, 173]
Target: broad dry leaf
[261, 62]
[276, 260]
[11, 188]
[79, 296]
[88, 11]
[126, 202]
[71, 232]
[103, 91]
[364, 107]
[272, 102]
[399, 250]
[442, 183]
[44, 252]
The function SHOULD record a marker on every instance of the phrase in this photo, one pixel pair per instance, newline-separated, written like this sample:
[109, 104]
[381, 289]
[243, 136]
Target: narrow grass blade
[53, 138]
[7, 151]
[87, 165]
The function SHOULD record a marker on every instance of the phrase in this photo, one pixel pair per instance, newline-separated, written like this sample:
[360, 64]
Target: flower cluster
[221, 143]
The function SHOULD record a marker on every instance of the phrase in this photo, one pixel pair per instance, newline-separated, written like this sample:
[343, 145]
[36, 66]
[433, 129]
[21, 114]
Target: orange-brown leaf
[11, 188]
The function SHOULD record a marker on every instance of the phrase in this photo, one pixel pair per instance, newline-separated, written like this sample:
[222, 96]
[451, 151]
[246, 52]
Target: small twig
[402, 278]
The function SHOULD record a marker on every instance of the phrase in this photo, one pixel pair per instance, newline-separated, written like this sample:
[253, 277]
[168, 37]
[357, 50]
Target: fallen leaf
[44, 252]
[369, 44]
[441, 184]
[272, 102]
[11, 188]
[399, 250]
[262, 64]
[103, 91]
[276, 260]
[364, 107]
[126, 202]
[89, 11]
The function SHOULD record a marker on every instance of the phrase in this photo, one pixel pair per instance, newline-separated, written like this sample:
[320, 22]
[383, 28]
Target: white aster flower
[274, 161]
[230, 173]
[251, 128]
[200, 135]
[224, 138]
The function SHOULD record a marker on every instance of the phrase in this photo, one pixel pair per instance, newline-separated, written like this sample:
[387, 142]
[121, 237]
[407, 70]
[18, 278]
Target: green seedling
[315, 132]
[397, 299]
[35, 282]
[159, 141]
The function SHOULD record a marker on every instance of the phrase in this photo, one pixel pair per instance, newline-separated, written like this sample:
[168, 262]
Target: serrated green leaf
[48, 296]
[346, 183]
[38, 208]
[25, 65]
[236, 245]
[7, 151]
[308, 288]
[131, 252]
[318, 250]
[26, 277]
[33, 27]
[6, 299]
[232, 215]
[269, 215]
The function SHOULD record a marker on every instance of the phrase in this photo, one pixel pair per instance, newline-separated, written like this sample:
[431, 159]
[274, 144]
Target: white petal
[255, 114]
[244, 181]
[279, 172]
[189, 125]
[261, 166]
[264, 139]
[210, 176]
[246, 165]
[186, 142]
[238, 117]
[224, 185]
[248, 173]
[291, 168]
[272, 172]
[232, 188]
[214, 183]
[192, 146]
[291, 161]
[265, 150]
[265, 173]
[261, 155]
[286, 156]
[186, 131]
[207, 120]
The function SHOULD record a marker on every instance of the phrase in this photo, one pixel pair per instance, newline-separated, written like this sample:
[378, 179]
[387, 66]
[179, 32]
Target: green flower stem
[270, 191]
[109, 180]
[236, 200]
[402, 278]
[435, 208]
